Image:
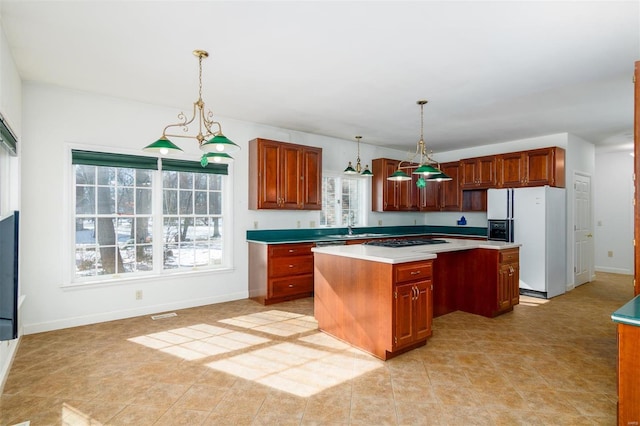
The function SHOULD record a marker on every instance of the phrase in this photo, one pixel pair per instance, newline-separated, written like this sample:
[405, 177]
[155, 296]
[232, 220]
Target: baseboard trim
[129, 313]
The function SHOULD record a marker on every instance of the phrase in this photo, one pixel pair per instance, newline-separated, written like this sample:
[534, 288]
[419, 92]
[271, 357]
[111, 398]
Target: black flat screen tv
[9, 276]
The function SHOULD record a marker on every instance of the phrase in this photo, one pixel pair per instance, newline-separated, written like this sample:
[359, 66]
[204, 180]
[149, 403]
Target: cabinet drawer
[287, 266]
[281, 250]
[413, 271]
[509, 256]
[289, 286]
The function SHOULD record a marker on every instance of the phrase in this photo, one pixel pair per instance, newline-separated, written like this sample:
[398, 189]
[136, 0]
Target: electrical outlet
[138, 294]
[380, 222]
[255, 225]
[312, 224]
[298, 224]
[610, 253]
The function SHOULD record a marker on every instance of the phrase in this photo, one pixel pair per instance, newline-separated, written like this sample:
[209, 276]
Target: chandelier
[358, 169]
[427, 167]
[215, 145]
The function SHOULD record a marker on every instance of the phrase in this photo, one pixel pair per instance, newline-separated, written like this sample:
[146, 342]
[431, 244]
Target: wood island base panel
[381, 308]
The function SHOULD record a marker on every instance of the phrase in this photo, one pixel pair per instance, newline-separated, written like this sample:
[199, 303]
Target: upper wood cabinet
[442, 196]
[537, 167]
[284, 176]
[479, 172]
[389, 195]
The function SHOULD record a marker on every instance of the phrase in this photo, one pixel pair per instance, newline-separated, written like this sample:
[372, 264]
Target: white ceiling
[492, 71]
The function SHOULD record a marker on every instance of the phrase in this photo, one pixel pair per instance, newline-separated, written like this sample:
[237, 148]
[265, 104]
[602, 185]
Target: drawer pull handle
[291, 266]
[415, 272]
[290, 285]
[292, 251]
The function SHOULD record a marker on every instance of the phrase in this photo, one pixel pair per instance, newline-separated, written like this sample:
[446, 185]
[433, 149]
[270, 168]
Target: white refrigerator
[538, 217]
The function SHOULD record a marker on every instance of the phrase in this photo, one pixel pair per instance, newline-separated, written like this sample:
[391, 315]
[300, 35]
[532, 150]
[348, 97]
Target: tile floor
[240, 363]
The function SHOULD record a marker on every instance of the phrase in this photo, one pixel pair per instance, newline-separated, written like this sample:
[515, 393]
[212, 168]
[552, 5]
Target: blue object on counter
[462, 221]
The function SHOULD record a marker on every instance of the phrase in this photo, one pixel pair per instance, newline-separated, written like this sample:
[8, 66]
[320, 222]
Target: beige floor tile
[546, 363]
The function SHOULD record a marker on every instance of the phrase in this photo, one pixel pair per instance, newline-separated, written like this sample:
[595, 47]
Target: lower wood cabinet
[488, 284]
[279, 272]
[628, 374]
[381, 308]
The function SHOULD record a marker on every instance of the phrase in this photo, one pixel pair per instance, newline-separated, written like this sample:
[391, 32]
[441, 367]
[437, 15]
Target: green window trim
[106, 159]
[193, 166]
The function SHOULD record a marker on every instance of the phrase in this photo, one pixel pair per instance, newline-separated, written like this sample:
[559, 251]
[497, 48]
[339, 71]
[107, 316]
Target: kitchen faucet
[349, 229]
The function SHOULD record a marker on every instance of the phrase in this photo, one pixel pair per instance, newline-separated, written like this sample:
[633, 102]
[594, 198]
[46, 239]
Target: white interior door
[583, 234]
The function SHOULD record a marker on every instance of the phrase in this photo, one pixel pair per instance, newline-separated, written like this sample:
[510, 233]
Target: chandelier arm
[184, 124]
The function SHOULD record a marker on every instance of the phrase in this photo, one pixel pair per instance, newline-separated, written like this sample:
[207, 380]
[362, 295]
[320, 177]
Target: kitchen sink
[364, 235]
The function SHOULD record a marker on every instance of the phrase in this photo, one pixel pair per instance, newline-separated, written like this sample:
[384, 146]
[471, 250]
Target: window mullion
[158, 221]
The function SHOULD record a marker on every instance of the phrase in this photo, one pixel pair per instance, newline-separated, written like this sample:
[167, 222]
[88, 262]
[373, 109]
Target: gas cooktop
[404, 243]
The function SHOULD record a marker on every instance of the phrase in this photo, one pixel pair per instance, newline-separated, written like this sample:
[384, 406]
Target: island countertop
[395, 255]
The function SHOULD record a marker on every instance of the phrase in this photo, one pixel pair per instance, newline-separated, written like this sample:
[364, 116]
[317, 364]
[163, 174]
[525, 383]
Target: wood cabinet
[280, 272]
[479, 172]
[628, 374]
[537, 167]
[508, 279]
[487, 285]
[413, 303]
[381, 308]
[284, 176]
[442, 196]
[389, 195]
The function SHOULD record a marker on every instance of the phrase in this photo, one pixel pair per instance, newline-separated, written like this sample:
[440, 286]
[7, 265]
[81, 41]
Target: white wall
[613, 212]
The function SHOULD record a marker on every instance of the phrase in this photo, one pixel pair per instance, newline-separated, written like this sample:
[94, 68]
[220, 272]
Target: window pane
[186, 180]
[125, 201]
[85, 175]
[186, 202]
[143, 201]
[215, 203]
[106, 175]
[200, 181]
[201, 202]
[169, 179]
[106, 202]
[85, 232]
[85, 200]
[215, 182]
[126, 177]
[170, 202]
[143, 178]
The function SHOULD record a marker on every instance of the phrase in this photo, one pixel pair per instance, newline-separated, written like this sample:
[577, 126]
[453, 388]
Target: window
[119, 230]
[342, 201]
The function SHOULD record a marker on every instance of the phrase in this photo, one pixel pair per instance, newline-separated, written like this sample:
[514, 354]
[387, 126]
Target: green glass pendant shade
[399, 175]
[350, 170]
[215, 157]
[162, 146]
[425, 169]
[366, 172]
[219, 143]
[439, 177]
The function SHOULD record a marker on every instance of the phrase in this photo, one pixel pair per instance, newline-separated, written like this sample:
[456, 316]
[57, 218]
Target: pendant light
[216, 149]
[426, 165]
[350, 170]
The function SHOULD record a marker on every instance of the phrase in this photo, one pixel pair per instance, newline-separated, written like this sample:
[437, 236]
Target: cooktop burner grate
[404, 243]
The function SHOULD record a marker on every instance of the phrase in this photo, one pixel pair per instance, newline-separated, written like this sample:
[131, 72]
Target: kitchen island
[383, 299]
[627, 320]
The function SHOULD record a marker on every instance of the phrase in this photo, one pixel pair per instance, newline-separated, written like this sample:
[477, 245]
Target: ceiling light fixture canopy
[210, 138]
[350, 170]
[427, 167]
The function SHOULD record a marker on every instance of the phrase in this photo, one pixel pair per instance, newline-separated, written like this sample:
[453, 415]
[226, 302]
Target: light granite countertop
[410, 254]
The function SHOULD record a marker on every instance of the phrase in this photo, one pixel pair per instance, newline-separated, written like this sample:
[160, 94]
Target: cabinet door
[468, 173]
[268, 175]
[511, 170]
[290, 177]
[429, 197]
[408, 192]
[404, 306]
[540, 167]
[515, 284]
[486, 172]
[504, 286]
[311, 179]
[451, 191]
[423, 309]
